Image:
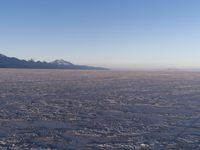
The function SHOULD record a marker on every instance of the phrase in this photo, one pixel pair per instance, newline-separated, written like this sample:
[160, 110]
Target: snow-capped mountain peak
[62, 62]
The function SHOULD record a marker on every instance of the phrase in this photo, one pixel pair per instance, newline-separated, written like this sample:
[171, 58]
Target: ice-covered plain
[111, 110]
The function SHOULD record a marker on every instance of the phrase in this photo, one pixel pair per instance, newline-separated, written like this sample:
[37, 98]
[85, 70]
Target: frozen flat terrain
[86, 110]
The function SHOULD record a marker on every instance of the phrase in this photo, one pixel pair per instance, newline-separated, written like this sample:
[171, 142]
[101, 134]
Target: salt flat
[122, 110]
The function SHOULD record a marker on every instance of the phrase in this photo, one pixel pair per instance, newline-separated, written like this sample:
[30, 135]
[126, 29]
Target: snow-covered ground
[85, 110]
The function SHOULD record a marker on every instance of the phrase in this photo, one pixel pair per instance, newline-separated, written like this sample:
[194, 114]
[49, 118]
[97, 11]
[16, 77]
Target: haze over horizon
[109, 33]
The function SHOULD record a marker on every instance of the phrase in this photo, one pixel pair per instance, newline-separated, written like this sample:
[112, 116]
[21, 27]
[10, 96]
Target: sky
[109, 33]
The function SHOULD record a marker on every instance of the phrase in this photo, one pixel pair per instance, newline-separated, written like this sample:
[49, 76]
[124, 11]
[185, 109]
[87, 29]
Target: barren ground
[86, 110]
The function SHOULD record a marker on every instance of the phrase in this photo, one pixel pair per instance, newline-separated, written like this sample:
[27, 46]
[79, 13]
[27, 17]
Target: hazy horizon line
[130, 66]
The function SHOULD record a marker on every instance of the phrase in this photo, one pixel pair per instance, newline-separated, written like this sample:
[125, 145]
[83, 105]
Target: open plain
[111, 110]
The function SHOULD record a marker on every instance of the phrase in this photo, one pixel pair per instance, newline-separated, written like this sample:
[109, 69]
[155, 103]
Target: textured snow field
[111, 110]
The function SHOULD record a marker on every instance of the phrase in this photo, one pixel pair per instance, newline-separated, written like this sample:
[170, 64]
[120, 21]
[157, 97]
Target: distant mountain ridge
[12, 62]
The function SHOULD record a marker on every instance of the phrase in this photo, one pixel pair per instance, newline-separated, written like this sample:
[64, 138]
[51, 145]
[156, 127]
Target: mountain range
[12, 62]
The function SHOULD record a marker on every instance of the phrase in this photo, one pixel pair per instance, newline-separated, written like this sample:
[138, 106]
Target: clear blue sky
[114, 33]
